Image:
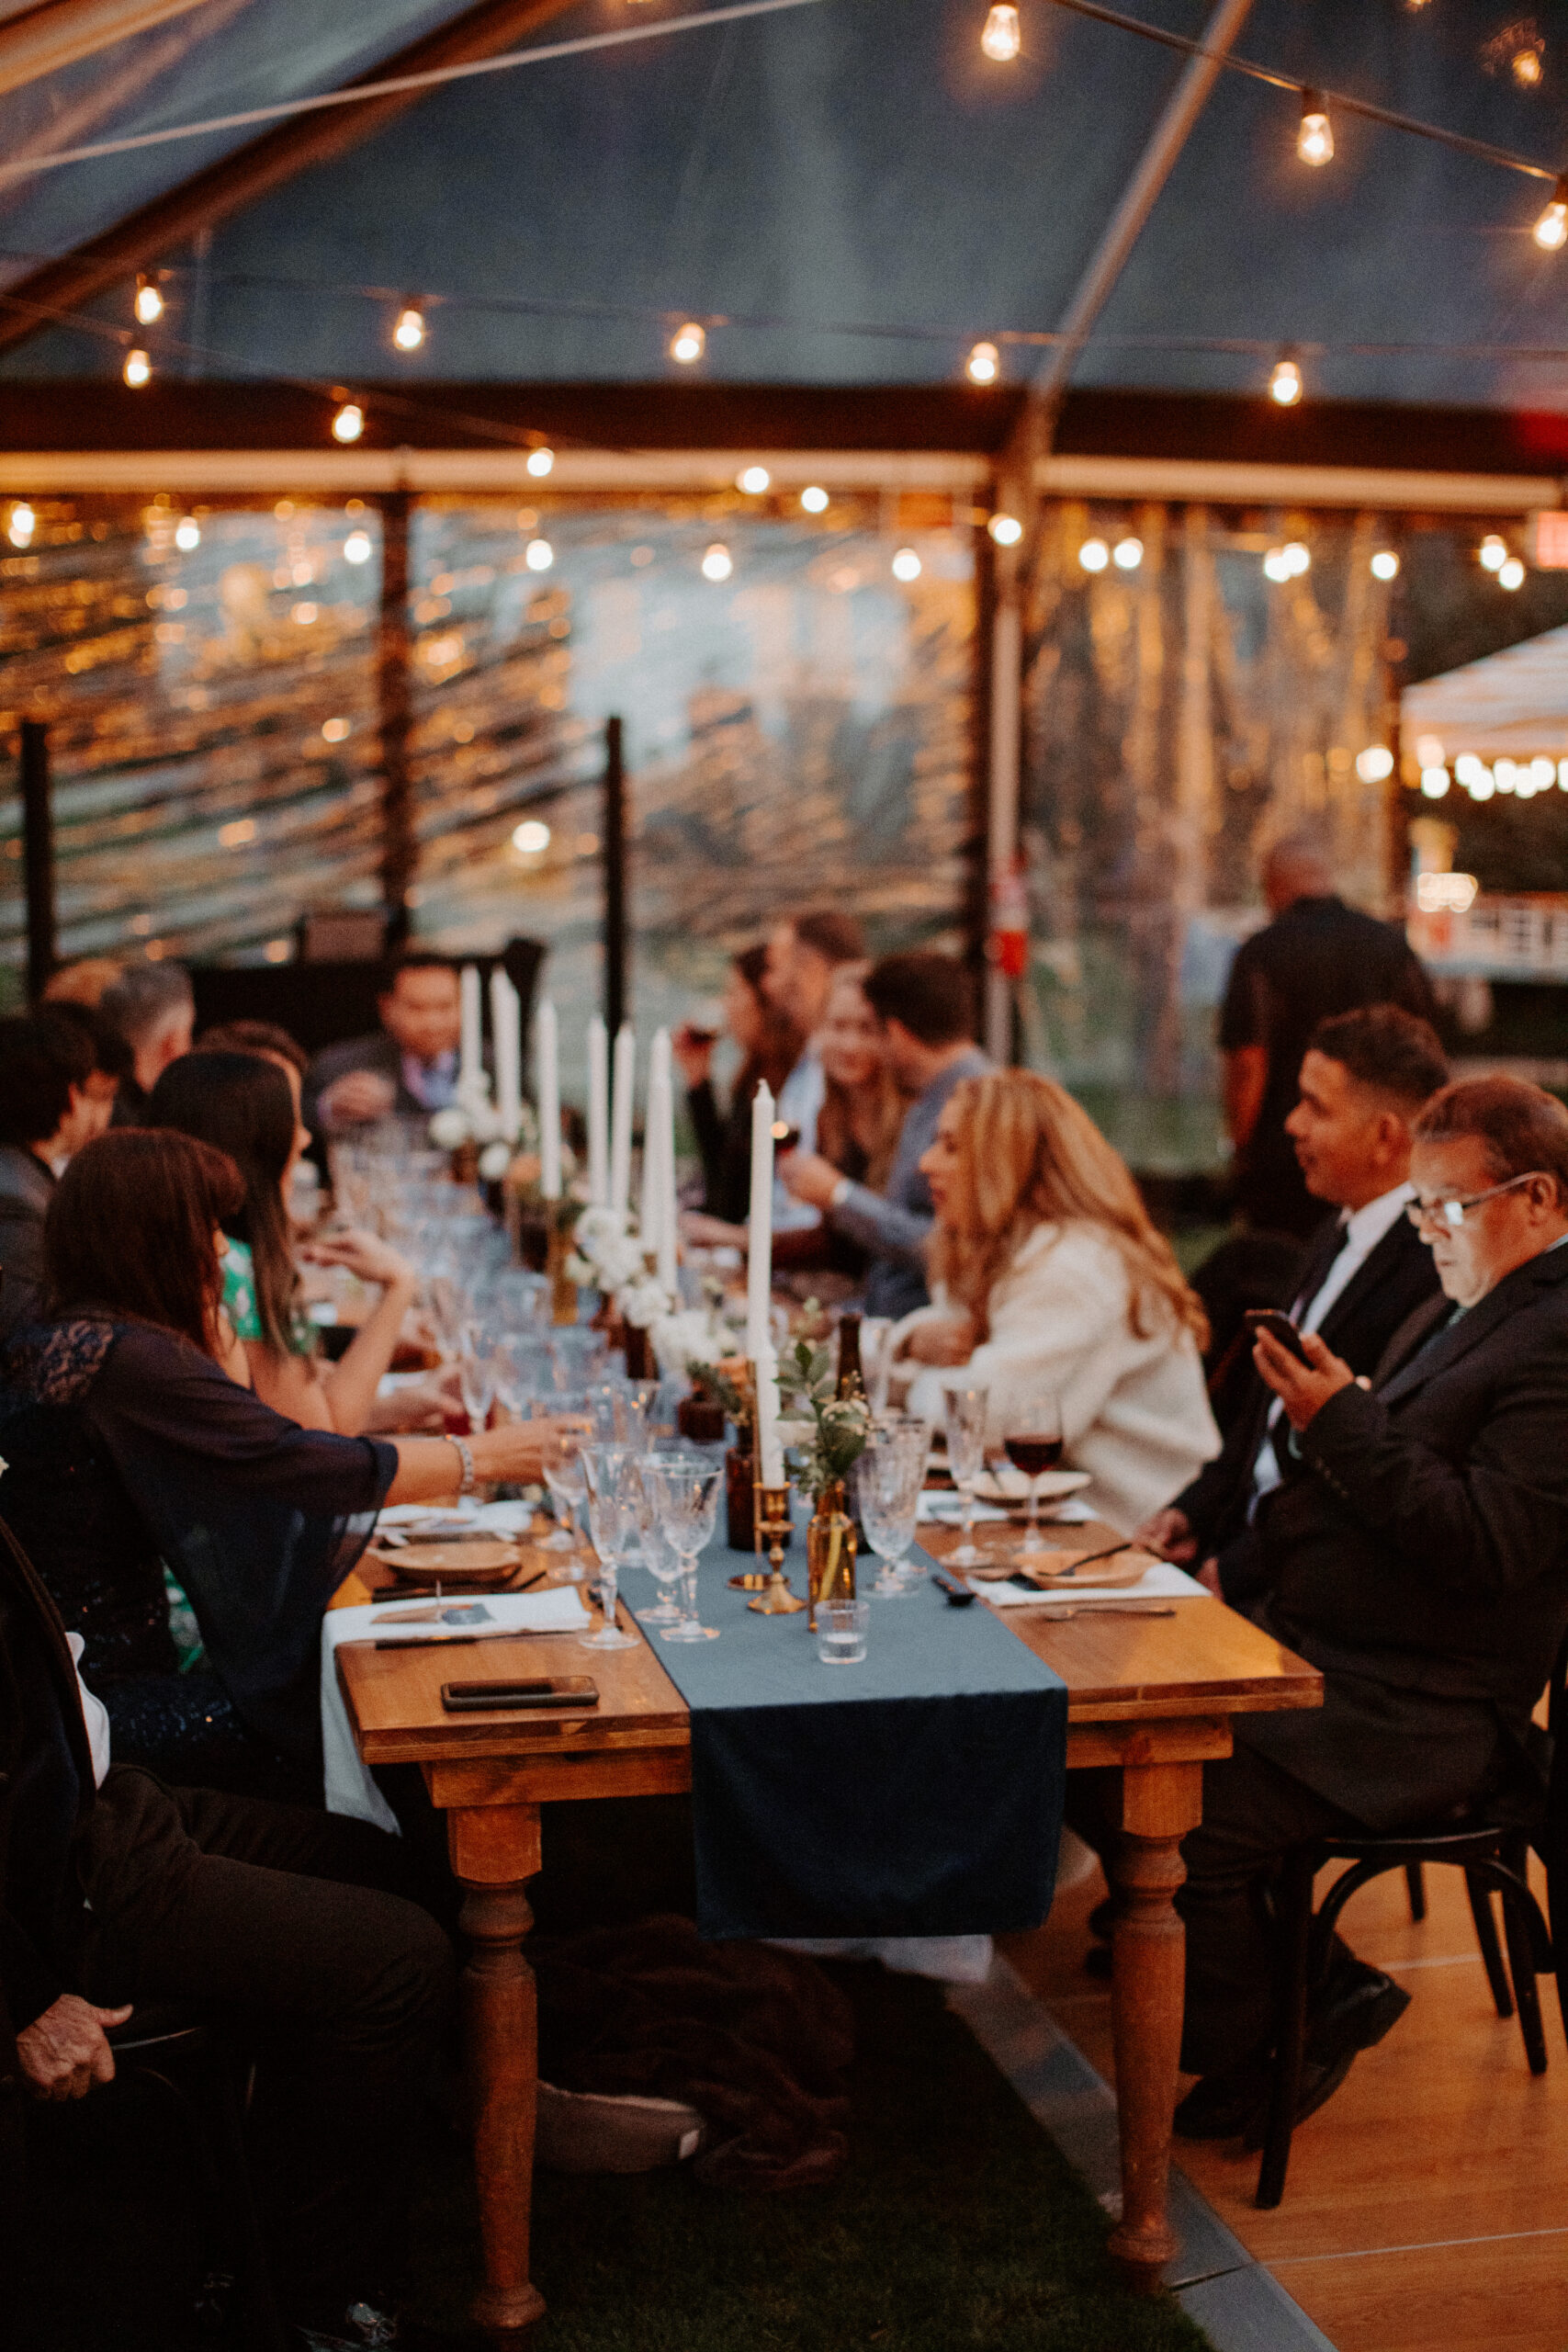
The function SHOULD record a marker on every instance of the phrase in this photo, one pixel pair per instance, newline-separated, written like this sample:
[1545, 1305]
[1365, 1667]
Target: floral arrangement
[472, 1118]
[835, 1428]
[607, 1256]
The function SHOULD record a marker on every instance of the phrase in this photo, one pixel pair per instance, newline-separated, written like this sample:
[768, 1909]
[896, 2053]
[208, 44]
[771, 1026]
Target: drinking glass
[476, 1376]
[610, 1523]
[521, 1374]
[876, 1359]
[577, 1354]
[892, 1472]
[661, 1562]
[601, 1402]
[685, 1489]
[564, 1476]
[963, 1415]
[635, 1416]
[841, 1628]
[1032, 1437]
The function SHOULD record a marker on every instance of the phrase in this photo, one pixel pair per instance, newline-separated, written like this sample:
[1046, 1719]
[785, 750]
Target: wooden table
[1151, 1696]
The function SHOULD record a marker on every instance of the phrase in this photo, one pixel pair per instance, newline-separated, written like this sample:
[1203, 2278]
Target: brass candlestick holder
[774, 1521]
[563, 1292]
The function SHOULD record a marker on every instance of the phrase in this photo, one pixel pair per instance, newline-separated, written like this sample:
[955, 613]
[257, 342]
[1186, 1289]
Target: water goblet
[605, 1470]
[564, 1477]
[892, 1472]
[662, 1564]
[685, 1490]
[1032, 1437]
[476, 1376]
[963, 1415]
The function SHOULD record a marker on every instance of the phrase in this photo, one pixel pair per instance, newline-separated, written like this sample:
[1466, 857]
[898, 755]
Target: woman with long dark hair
[127, 1446]
[769, 1047]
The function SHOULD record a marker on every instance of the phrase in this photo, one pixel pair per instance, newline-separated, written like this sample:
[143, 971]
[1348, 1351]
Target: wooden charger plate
[1051, 1570]
[481, 1558]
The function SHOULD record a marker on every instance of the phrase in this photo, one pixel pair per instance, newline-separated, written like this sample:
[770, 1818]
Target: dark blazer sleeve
[21, 1263]
[702, 1107]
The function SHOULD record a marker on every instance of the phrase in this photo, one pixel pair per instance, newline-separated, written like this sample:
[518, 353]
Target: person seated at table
[804, 953]
[408, 1067]
[82, 982]
[118, 1894]
[769, 1047]
[1364, 1080]
[1049, 1279]
[154, 1009]
[248, 1106]
[1415, 1551]
[50, 1106]
[127, 1446]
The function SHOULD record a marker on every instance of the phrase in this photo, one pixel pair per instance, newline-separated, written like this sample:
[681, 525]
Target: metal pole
[615, 854]
[399, 845]
[37, 853]
[977, 866]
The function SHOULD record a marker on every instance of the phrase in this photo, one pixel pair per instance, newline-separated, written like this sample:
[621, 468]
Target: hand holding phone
[1278, 1326]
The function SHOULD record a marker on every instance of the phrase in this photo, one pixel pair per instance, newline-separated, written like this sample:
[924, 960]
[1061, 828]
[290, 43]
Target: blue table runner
[917, 1794]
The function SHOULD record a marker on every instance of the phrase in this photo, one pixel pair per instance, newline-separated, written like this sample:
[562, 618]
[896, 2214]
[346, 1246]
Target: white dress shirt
[1364, 1229]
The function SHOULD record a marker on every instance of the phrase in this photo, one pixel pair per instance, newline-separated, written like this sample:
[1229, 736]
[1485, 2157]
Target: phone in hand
[1278, 1326]
[547, 1690]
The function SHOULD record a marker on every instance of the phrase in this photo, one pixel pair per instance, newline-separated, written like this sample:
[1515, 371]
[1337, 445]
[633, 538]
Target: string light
[1314, 140]
[187, 535]
[1550, 231]
[409, 333]
[1511, 574]
[717, 564]
[1003, 36]
[356, 547]
[907, 564]
[149, 301]
[984, 364]
[1435, 783]
[1492, 553]
[1375, 763]
[349, 422]
[1275, 565]
[539, 555]
[20, 529]
[1285, 383]
[1385, 564]
[531, 837]
[1297, 558]
[815, 499]
[1006, 529]
[1094, 555]
[1526, 66]
[688, 344]
[336, 730]
[541, 462]
[753, 480]
[137, 370]
[1128, 554]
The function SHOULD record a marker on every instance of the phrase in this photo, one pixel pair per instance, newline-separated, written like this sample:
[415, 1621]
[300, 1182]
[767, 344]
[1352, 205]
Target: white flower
[595, 1226]
[472, 1090]
[494, 1161]
[449, 1129]
[578, 1270]
[619, 1263]
[642, 1304]
[682, 1341]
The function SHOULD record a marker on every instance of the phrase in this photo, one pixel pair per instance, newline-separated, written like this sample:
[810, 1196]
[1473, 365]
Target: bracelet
[466, 1459]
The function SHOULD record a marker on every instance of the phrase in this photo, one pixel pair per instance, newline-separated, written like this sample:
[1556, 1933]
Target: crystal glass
[842, 1629]
[601, 1402]
[608, 1470]
[577, 1355]
[892, 1473]
[685, 1489]
[521, 1374]
[568, 1487]
[963, 1415]
[1031, 1434]
[636, 1405]
[476, 1376]
[661, 1562]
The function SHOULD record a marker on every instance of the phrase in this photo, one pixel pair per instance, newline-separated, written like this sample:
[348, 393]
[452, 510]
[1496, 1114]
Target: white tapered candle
[472, 1060]
[547, 1048]
[759, 1226]
[621, 1118]
[770, 1448]
[598, 1112]
[506, 1030]
[658, 1143]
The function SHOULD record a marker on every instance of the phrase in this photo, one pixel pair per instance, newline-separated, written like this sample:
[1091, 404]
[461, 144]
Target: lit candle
[621, 1118]
[770, 1450]
[759, 1229]
[506, 1029]
[546, 1046]
[598, 1112]
[472, 1063]
[658, 1147]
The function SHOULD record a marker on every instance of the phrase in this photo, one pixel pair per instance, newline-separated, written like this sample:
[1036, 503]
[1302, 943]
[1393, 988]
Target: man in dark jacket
[1417, 1552]
[1364, 1078]
[407, 1068]
[49, 1109]
[116, 1891]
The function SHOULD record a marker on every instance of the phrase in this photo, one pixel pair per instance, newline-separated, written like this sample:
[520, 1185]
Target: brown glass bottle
[850, 1381]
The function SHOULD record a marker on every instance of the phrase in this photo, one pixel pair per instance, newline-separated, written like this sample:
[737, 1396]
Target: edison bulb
[1298, 559]
[1375, 763]
[1006, 529]
[1094, 555]
[1493, 552]
[1385, 564]
[1275, 565]
[20, 529]
[815, 500]
[1525, 66]
[1435, 783]
[1550, 231]
[1511, 574]
[984, 364]
[539, 555]
[187, 534]
[1003, 36]
[531, 837]
[1127, 554]
[138, 369]
[1314, 140]
[409, 333]
[717, 564]
[149, 302]
[907, 564]
[753, 480]
[1285, 383]
[349, 422]
[541, 462]
[688, 344]
[356, 547]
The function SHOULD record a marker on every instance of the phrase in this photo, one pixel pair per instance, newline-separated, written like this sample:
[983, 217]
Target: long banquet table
[1150, 1695]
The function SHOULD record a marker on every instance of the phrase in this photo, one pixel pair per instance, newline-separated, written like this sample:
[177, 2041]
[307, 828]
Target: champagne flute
[1032, 1437]
[564, 1477]
[685, 1488]
[605, 1469]
[476, 1376]
[963, 1413]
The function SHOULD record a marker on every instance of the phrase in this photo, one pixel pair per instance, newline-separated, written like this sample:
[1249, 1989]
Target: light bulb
[1511, 574]
[1094, 555]
[349, 422]
[815, 499]
[1374, 764]
[1385, 564]
[149, 302]
[984, 364]
[1550, 231]
[356, 547]
[688, 344]
[138, 369]
[187, 534]
[1128, 554]
[1298, 559]
[541, 462]
[717, 564]
[1493, 552]
[1429, 752]
[336, 730]
[409, 333]
[1276, 564]
[907, 564]
[1285, 383]
[753, 480]
[1006, 529]
[1314, 140]
[1525, 66]
[539, 555]
[20, 529]
[531, 836]
[1434, 783]
[1003, 36]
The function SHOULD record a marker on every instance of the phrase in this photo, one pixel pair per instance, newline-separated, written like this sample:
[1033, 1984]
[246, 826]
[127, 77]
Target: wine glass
[610, 1522]
[521, 1374]
[476, 1376]
[564, 1476]
[662, 1564]
[892, 1472]
[1032, 1437]
[685, 1488]
[964, 1414]
[635, 1416]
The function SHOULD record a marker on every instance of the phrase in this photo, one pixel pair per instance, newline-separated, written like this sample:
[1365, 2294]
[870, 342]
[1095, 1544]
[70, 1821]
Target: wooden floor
[1427, 2202]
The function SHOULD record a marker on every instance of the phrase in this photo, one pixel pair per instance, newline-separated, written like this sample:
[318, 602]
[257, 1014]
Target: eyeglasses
[1450, 1213]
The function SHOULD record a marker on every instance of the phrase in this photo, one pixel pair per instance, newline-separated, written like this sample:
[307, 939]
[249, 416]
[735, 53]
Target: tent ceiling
[1515, 703]
[852, 164]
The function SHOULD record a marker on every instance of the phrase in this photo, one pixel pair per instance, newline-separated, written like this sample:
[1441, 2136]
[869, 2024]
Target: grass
[956, 2224]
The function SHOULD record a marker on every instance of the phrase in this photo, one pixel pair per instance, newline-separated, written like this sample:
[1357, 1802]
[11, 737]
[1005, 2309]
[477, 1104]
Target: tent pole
[613, 831]
[399, 845]
[37, 853]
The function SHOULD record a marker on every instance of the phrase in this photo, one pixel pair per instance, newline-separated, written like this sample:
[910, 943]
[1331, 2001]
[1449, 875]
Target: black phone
[555, 1690]
[1278, 1326]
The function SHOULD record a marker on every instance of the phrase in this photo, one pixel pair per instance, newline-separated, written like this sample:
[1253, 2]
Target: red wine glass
[1032, 1440]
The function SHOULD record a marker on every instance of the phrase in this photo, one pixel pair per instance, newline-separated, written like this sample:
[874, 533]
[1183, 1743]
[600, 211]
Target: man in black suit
[1364, 1078]
[408, 1066]
[1417, 1552]
[115, 1890]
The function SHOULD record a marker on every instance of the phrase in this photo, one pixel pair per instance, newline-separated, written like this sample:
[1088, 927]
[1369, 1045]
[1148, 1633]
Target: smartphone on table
[546, 1691]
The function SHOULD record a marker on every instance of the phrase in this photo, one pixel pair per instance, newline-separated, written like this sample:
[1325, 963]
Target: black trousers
[1253, 1812]
[297, 1930]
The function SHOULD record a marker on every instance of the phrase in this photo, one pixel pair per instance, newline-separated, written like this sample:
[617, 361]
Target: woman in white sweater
[1048, 1278]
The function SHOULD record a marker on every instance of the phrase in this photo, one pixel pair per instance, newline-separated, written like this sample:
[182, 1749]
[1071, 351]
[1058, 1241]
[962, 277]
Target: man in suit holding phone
[1363, 1080]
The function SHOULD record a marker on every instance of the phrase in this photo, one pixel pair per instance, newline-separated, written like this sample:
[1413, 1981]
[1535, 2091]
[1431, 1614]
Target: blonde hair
[1032, 1156]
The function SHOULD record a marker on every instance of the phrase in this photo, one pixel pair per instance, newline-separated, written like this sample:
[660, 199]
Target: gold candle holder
[774, 1521]
[563, 1293]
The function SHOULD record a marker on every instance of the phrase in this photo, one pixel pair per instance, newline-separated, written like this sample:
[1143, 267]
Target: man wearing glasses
[1417, 1551]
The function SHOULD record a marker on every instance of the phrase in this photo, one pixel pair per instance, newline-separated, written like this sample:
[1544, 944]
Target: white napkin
[1162, 1582]
[347, 1783]
[938, 1508]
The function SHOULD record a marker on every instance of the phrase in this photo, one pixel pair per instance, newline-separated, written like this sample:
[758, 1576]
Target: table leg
[496, 1848]
[1159, 1803]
